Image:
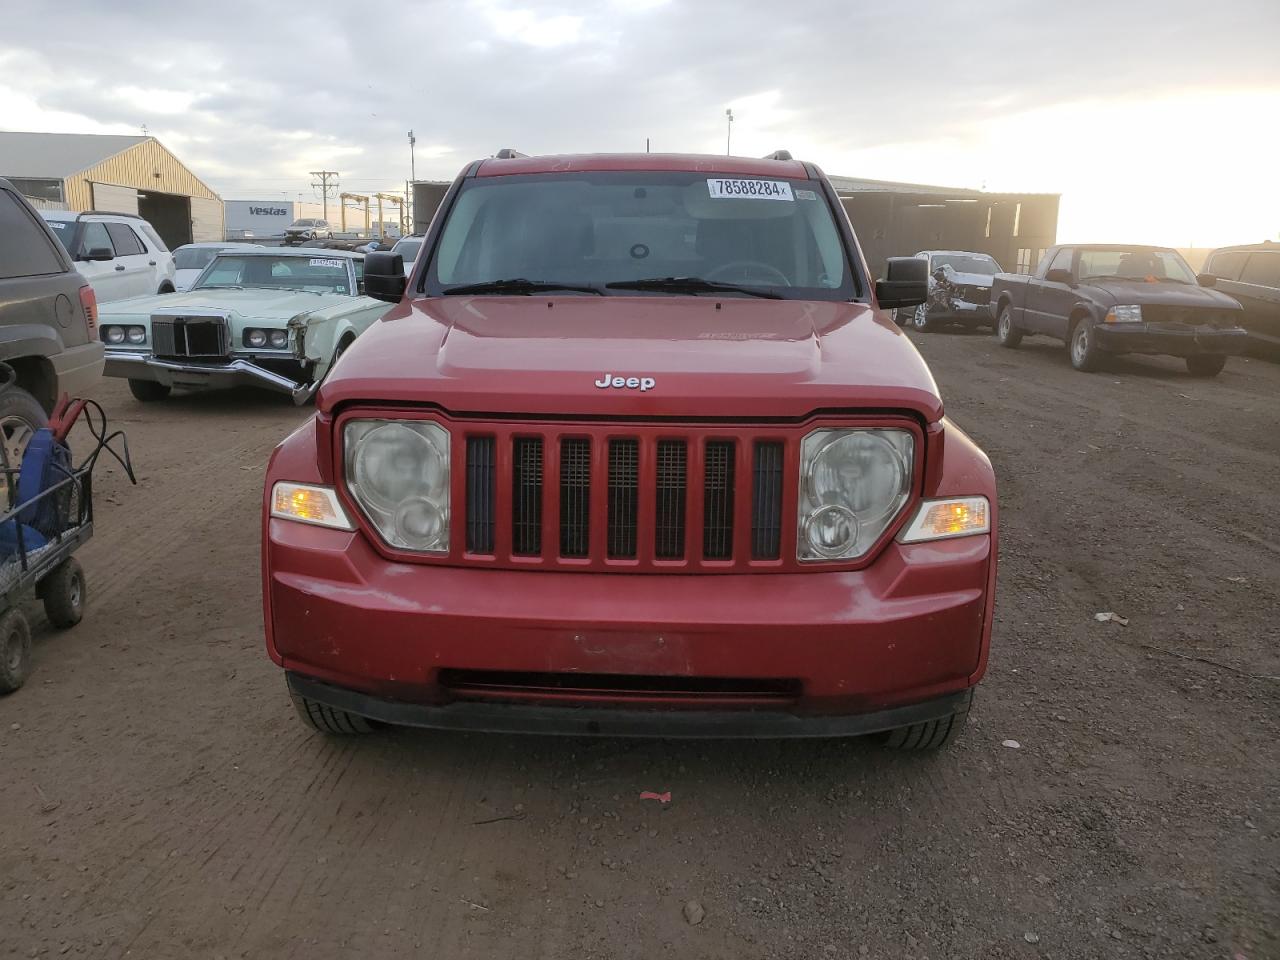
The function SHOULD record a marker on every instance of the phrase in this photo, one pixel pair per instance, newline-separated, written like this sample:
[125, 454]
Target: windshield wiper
[690, 285]
[519, 286]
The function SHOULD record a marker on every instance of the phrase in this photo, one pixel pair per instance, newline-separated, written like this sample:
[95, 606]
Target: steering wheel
[747, 266]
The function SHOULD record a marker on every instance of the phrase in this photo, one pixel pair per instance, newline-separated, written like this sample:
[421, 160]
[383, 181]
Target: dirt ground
[161, 800]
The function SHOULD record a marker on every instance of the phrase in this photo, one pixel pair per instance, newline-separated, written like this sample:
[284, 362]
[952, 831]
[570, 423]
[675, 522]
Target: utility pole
[728, 137]
[412, 172]
[324, 186]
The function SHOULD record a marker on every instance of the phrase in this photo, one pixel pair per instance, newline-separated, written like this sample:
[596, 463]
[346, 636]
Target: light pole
[412, 172]
[728, 136]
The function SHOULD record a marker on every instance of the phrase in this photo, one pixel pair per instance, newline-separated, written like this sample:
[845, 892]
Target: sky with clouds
[1157, 121]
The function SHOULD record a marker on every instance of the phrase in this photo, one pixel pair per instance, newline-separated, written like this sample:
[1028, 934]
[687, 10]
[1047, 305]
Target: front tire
[15, 651]
[1007, 335]
[929, 735]
[20, 417]
[330, 720]
[1206, 364]
[148, 391]
[920, 318]
[1083, 347]
[166, 287]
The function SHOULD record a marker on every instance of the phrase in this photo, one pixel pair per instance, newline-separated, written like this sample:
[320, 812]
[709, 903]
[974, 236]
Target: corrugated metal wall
[206, 220]
[147, 166]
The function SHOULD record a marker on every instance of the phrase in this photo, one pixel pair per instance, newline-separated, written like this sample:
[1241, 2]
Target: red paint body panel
[905, 624]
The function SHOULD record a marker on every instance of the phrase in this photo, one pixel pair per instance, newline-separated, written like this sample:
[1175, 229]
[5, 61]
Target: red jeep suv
[638, 452]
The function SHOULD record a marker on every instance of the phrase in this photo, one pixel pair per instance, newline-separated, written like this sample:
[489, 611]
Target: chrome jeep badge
[626, 383]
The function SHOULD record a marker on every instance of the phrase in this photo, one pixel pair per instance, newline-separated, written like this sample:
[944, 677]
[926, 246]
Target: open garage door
[206, 220]
[170, 214]
[113, 199]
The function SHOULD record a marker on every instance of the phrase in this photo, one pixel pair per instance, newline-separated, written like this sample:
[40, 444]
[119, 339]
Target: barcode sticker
[326, 262]
[750, 190]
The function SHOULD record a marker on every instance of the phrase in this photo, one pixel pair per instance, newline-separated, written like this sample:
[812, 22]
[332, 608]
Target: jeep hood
[253, 303]
[733, 358]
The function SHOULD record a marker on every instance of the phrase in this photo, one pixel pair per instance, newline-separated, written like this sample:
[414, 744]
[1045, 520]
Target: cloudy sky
[1157, 121]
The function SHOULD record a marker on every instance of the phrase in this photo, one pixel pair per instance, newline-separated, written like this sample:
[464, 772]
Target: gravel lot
[161, 800]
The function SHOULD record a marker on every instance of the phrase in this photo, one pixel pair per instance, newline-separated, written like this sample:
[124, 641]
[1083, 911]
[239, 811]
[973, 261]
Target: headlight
[398, 472]
[136, 335]
[1125, 313]
[255, 338]
[279, 339]
[852, 484]
[113, 334]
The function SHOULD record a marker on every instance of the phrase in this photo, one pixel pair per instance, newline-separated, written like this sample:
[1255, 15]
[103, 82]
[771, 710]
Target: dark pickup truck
[1109, 299]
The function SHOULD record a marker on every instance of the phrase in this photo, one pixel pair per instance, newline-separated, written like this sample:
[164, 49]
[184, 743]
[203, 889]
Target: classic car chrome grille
[183, 338]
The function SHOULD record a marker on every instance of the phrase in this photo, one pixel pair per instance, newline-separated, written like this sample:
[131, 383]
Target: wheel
[900, 316]
[1083, 347]
[1206, 364]
[165, 287]
[329, 719]
[929, 735]
[63, 592]
[148, 391]
[15, 651]
[20, 417]
[1007, 335]
[920, 318]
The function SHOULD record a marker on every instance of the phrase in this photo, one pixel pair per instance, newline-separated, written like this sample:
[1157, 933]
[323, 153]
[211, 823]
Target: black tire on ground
[20, 417]
[1206, 364]
[148, 391]
[929, 735]
[63, 592]
[900, 316]
[920, 318]
[15, 651]
[1007, 335]
[165, 287]
[328, 719]
[1083, 347]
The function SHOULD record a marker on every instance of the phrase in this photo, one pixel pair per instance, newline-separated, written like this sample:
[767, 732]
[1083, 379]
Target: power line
[324, 187]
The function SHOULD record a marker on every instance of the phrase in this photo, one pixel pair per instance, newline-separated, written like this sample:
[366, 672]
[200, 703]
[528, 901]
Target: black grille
[766, 507]
[717, 499]
[190, 337]
[526, 496]
[668, 542]
[481, 491]
[624, 478]
[575, 497]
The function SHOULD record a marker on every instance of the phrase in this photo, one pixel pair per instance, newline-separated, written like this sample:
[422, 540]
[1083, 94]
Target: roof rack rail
[107, 213]
[506, 153]
[780, 155]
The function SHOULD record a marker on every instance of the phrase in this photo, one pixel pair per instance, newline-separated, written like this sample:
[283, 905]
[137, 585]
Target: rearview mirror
[384, 277]
[1206, 279]
[905, 283]
[98, 254]
[1058, 275]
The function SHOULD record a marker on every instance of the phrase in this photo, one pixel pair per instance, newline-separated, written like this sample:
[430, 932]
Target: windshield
[408, 249]
[62, 229]
[1149, 265]
[594, 229]
[316, 274]
[966, 263]
[194, 258]
[303, 223]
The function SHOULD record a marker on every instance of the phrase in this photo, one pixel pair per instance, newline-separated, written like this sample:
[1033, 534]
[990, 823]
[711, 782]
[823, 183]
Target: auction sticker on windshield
[325, 262]
[750, 190]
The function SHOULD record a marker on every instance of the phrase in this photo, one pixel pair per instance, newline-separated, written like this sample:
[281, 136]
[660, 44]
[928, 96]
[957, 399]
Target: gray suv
[48, 324]
[1251, 274]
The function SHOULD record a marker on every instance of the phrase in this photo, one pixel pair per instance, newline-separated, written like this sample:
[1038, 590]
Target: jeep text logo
[643, 383]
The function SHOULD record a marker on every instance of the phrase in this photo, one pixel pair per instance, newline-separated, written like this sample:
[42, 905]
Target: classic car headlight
[398, 473]
[852, 485]
[136, 335]
[113, 334]
[1125, 313]
[279, 339]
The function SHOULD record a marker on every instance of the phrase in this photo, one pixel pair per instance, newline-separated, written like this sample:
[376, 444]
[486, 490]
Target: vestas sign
[268, 212]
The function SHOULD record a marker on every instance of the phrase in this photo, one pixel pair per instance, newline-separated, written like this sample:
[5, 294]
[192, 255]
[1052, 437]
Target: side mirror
[905, 283]
[1058, 275]
[384, 277]
[1206, 279]
[98, 254]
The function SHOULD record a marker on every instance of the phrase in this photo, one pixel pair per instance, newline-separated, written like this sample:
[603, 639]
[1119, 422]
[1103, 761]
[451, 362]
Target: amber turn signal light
[309, 504]
[941, 519]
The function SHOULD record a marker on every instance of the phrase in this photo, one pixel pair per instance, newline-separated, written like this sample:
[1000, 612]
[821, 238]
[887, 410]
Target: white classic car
[270, 317]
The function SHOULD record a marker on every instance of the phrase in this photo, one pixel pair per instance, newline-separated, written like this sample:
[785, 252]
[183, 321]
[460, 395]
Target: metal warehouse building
[76, 171]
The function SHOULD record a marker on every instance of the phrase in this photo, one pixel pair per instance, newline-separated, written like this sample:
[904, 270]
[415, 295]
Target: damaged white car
[959, 290]
[271, 318]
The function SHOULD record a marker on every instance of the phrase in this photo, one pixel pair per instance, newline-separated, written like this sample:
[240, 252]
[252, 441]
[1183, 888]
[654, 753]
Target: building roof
[56, 156]
[850, 185]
